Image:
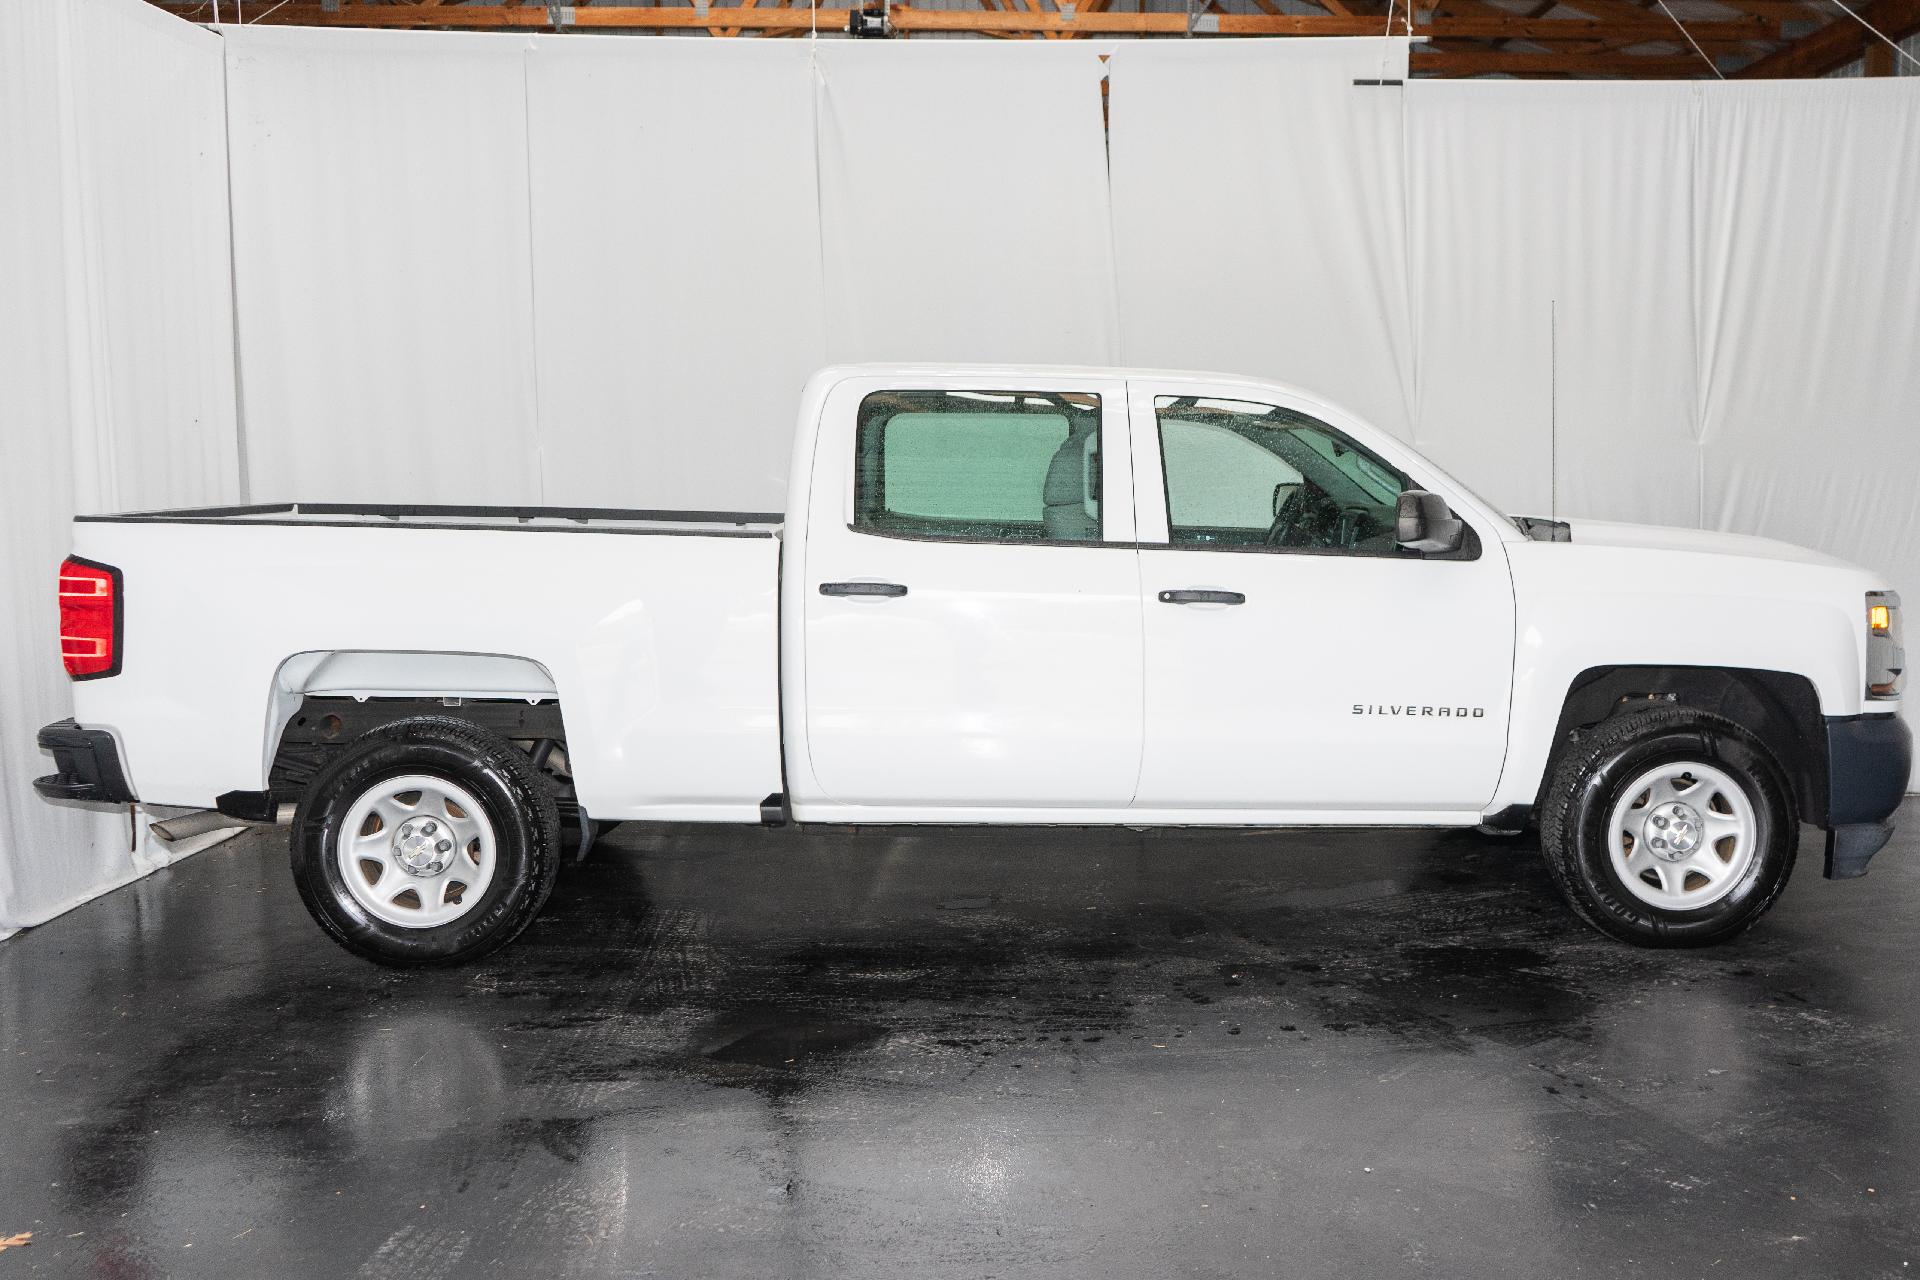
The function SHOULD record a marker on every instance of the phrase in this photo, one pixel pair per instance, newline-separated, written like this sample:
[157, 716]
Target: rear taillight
[90, 602]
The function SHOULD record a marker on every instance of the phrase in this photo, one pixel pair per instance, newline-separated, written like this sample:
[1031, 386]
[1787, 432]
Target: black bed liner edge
[300, 513]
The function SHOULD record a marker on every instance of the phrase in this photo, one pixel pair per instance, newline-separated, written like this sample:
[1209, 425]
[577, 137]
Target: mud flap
[1850, 847]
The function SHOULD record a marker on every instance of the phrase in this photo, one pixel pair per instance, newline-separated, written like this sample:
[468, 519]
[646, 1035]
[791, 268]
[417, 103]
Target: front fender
[1580, 608]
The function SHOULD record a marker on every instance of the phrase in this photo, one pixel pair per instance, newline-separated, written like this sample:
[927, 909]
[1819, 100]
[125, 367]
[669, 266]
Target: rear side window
[990, 466]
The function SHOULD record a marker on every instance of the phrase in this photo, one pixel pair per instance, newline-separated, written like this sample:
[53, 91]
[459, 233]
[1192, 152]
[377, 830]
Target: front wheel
[428, 842]
[1669, 828]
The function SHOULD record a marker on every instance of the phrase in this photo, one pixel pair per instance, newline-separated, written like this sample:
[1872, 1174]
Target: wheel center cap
[423, 846]
[1673, 831]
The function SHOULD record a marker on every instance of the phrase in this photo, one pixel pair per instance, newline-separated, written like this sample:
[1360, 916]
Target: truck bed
[661, 641]
[720, 524]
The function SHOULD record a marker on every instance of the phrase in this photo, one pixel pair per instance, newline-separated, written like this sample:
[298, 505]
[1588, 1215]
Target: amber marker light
[1879, 619]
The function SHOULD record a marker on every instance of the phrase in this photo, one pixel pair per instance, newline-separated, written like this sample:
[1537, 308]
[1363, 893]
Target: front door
[972, 601]
[1298, 661]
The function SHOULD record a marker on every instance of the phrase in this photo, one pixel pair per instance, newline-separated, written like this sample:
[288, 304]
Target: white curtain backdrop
[596, 270]
[676, 268]
[116, 364]
[382, 264]
[1259, 201]
[591, 270]
[1808, 218]
[964, 203]
[1554, 333]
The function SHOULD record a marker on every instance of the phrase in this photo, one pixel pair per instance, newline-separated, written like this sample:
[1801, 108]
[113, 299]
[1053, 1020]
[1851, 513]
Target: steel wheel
[416, 851]
[1682, 835]
[377, 880]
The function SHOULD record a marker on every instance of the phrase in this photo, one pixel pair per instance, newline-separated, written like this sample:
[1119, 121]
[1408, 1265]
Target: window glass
[1241, 474]
[989, 465]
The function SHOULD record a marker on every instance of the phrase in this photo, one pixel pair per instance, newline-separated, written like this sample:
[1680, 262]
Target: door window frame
[839, 442]
[1151, 500]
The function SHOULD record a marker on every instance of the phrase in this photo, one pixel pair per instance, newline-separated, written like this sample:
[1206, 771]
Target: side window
[993, 466]
[1241, 474]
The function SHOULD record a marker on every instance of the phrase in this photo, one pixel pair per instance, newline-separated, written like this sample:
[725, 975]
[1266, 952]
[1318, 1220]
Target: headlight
[1886, 657]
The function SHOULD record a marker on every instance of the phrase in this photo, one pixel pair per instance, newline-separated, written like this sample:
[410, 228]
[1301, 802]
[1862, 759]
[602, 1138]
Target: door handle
[888, 590]
[1194, 596]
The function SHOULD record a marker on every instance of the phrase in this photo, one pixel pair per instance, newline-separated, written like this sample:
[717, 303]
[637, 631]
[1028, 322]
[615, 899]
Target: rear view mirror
[1422, 522]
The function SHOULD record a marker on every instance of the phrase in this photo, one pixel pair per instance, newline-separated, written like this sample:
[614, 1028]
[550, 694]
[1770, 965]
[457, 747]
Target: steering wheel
[1357, 524]
[1308, 518]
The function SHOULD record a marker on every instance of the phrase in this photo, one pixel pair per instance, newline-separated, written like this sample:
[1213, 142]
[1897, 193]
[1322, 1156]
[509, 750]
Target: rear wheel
[428, 842]
[1669, 828]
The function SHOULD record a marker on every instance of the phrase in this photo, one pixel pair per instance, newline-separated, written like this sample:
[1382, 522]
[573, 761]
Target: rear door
[1297, 660]
[972, 598]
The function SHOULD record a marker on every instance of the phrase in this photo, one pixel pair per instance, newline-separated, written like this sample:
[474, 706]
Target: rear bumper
[88, 765]
[1869, 759]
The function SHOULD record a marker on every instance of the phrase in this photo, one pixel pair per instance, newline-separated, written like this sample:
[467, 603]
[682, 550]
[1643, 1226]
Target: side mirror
[1422, 522]
[1282, 492]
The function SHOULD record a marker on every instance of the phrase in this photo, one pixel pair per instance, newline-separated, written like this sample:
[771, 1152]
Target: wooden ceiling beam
[1770, 13]
[1032, 18]
[1616, 10]
[724, 31]
[1781, 10]
[1467, 37]
[1640, 29]
[1839, 42]
[1664, 66]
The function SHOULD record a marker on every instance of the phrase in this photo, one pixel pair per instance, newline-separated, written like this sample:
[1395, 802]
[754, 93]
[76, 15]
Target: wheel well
[427, 680]
[322, 725]
[1778, 707]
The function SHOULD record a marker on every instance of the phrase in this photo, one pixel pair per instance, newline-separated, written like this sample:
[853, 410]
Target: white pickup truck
[998, 595]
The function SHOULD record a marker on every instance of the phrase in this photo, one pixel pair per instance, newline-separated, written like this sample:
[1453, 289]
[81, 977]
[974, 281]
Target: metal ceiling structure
[1534, 39]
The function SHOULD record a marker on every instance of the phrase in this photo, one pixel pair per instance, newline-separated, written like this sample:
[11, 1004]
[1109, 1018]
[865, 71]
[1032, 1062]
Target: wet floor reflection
[931, 1052]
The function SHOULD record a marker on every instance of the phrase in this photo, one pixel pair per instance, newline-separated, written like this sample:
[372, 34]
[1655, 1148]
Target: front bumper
[88, 764]
[1869, 759]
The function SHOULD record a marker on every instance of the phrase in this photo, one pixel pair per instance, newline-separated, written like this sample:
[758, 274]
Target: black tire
[1592, 776]
[518, 802]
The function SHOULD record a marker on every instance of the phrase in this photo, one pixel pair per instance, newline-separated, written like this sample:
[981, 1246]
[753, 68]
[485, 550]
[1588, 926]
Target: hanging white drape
[1550, 228]
[963, 197]
[582, 270]
[381, 257]
[116, 365]
[1808, 223]
[1259, 200]
[676, 267]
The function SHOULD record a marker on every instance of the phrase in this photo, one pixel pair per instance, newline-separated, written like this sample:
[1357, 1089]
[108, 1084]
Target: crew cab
[997, 595]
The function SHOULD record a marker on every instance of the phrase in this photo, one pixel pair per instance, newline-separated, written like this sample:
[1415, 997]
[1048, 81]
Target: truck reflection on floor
[887, 1050]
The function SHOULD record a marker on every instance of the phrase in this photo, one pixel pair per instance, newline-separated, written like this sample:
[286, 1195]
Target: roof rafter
[1840, 41]
[1586, 38]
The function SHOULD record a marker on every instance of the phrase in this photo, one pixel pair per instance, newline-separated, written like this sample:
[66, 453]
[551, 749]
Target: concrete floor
[732, 1052]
